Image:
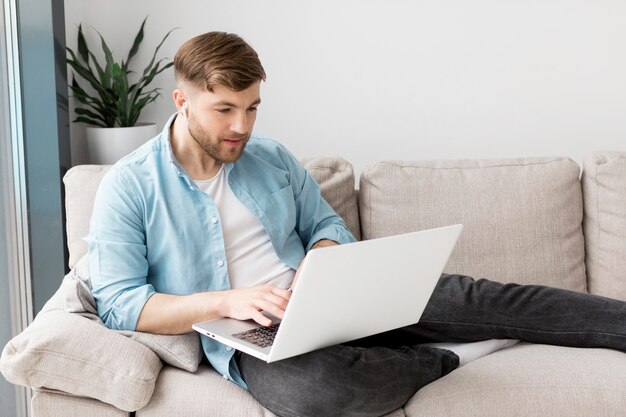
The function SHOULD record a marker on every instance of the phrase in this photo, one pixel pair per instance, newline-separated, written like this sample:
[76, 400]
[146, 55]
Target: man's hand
[247, 303]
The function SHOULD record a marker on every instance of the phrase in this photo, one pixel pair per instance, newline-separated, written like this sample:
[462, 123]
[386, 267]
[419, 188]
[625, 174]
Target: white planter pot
[106, 145]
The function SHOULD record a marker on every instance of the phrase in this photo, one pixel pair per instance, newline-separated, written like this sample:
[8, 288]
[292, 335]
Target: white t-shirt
[251, 259]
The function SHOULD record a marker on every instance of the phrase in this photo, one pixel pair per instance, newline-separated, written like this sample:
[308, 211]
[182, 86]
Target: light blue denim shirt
[152, 230]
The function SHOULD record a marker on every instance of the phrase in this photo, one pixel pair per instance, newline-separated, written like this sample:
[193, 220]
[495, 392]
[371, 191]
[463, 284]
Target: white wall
[402, 79]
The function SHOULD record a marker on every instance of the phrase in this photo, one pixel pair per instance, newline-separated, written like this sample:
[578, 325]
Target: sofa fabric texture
[604, 184]
[523, 222]
[522, 217]
[81, 184]
[58, 404]
[335, 177]
[182, 351]
[69, 353]
[529, 380]
[204, 393]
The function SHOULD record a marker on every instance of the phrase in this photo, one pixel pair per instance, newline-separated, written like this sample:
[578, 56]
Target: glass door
[15, 292]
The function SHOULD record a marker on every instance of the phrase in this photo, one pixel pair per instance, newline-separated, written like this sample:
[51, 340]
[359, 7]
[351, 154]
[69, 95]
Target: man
[207, 220]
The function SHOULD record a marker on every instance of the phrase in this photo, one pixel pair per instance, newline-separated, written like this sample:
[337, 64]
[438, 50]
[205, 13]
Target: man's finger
[261, 319]
[285, 294]
[271, 308]
[274, 299]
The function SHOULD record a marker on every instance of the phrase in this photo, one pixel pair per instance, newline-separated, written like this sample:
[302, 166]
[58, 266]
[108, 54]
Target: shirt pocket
[280, 209]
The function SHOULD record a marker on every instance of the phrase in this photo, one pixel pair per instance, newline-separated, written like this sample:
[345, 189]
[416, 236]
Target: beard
[214, 148]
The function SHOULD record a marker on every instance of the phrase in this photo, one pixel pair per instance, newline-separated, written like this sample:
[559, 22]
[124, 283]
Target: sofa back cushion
[334, 175]
[522, 217]
[604, 192]
[81, 183]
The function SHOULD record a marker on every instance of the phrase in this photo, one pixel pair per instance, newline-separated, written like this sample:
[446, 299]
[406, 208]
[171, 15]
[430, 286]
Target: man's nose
[240, 124]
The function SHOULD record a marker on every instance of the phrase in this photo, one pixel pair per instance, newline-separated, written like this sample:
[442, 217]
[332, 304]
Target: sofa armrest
[58, 404]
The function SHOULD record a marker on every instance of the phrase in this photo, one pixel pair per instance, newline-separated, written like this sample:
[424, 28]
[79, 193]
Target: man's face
[221, 121]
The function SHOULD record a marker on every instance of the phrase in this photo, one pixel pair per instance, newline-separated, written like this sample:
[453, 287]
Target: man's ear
[179, 99]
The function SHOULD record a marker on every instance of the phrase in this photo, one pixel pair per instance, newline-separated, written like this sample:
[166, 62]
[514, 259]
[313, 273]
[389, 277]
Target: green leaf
[83, 49]
[147, 79]
[120, 89]
[136, 43]
[139, 106]
[94, 103]
[85, 72]
[148, 68]
[106, 80]
[82, 95]
[99, 69]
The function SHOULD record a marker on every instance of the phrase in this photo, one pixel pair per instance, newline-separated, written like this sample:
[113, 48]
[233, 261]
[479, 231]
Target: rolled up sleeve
[316, 219]
[117, 252]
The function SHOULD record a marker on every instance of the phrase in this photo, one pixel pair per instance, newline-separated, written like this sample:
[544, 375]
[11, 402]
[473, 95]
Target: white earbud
[185, 115]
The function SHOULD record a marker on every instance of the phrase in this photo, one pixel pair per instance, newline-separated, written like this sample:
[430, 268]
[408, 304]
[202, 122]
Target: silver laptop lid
[351, 291]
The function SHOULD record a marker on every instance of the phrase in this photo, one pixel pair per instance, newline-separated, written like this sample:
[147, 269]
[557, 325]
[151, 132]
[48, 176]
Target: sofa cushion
[529, 380]
[58, 404]
[81, 183]
[604, 195]
[204, 393]
[182, 351]
[522, 217]
[67, 352]
[334, 175]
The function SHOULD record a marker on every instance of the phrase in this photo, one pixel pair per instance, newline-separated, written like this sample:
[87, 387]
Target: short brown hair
[218, 58]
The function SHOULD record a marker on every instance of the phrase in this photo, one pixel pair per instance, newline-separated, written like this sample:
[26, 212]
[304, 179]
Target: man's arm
[119, 267]
[316, 220]
[174, 314]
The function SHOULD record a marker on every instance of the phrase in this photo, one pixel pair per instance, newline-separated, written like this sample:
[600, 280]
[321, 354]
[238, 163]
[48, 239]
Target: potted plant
[114, 102]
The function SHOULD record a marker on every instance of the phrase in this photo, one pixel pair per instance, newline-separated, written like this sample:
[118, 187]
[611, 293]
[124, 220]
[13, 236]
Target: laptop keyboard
[261, 336]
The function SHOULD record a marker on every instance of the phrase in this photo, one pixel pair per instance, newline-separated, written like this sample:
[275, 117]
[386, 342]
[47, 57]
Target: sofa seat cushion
[204, 393]
[522, 217]
[529, 380]
[604, 193]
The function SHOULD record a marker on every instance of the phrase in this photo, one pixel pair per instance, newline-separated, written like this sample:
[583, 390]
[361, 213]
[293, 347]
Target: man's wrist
[323, 243]
[212, 303]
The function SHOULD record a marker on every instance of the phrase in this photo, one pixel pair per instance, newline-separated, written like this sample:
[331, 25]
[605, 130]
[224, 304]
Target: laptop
[347, 292]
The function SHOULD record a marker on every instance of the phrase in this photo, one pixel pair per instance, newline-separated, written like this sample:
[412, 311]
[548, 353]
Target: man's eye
[226, 110]
[252, 109]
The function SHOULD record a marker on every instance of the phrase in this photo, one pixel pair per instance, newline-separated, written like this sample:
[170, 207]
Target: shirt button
[228, 348]
[214, 220]
[225, 376]
[220, 263]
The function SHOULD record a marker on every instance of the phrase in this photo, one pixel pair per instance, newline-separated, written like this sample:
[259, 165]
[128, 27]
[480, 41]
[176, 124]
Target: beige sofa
[530, 220]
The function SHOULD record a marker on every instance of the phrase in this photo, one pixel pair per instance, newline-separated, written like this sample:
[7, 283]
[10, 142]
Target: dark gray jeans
[378, 374]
